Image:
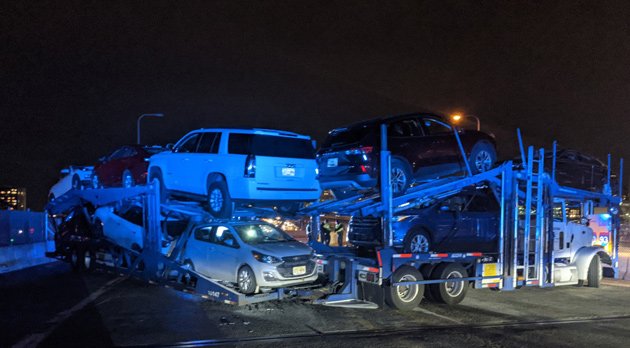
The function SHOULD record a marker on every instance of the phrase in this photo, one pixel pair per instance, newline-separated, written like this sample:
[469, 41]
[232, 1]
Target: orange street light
[458, 117]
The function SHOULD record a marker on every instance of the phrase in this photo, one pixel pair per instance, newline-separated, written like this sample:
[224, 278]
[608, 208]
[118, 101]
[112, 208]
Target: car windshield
[345, 136]
[261, 233]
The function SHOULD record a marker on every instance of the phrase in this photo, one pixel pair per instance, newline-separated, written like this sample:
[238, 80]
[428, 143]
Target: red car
[126, 166]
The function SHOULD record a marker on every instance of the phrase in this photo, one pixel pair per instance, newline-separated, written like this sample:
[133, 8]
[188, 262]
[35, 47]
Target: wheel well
[405, 163]
[605, 258]
[420, 228]
[213, 177]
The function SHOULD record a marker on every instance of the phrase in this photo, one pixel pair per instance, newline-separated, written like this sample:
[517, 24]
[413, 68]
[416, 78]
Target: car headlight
[265, 258]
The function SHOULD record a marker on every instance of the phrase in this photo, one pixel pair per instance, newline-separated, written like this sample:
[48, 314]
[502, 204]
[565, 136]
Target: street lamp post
[138, 124]
[458, 117]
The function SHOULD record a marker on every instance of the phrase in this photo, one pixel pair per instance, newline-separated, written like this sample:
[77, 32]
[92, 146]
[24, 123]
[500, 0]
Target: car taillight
[250, 166]
[364, 150]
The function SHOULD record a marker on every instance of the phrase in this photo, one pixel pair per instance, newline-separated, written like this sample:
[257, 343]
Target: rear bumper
[357, 181]
[252, 191]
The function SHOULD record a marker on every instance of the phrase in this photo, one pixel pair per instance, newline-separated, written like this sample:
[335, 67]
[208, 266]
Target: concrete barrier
[16, 257]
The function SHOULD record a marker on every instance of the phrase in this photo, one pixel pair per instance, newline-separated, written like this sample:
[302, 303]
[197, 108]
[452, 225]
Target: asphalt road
[49, 305]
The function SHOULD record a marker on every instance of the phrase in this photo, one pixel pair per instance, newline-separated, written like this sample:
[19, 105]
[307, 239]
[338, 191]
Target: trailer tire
[450, 293]
[404, 298]
[595, 273]
[246, 280]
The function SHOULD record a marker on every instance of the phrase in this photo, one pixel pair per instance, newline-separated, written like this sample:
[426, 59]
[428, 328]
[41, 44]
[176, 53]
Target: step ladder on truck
[533, 248]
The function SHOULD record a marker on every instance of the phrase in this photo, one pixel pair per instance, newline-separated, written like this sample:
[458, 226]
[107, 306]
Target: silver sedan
[252, 255]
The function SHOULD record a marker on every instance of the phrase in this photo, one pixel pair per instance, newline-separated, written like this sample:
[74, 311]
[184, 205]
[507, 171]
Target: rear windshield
[345, 136]
[269, 145]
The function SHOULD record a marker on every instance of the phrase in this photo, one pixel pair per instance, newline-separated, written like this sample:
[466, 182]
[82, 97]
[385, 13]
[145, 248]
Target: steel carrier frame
[354, 280]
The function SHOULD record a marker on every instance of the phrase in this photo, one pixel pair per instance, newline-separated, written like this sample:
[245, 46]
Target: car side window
[205, 234]
[434, 127]
[119, 153]
[240, 144]
[481, 203]
[189, 145]
[403, 128]
[209, 142]
[224, 237]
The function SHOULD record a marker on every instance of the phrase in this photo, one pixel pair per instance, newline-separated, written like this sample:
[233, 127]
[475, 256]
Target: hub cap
[419, 243]
[483, 161]
[398, 180]
[244, 279]
[216, 200]
[454, 288]
[407, 293]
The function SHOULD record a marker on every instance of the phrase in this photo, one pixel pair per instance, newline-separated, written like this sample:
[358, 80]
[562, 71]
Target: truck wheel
[404, 297]
[482, 157]
[595, 274]
[219, 201]
[452, 292]
[246, 280]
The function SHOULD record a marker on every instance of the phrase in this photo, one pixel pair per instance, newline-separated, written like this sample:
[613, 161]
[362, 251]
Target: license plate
[299, 270]
[332, 162]
[288, 171]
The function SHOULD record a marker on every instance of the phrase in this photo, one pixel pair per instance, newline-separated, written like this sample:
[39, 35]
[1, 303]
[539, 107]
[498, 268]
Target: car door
[180, 162]
[226, 254]
[407, 140]
[202, 162]
[479, 222]
[443, 153]
[108, 167]
[199, 246]
[443, 222]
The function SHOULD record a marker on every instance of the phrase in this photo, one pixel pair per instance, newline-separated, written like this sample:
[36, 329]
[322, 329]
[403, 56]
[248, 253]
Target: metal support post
[528, 212]
[540, 214]
[386, 187]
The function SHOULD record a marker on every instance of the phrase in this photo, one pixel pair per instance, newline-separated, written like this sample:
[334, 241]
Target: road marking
[418, 309]
[36, 339]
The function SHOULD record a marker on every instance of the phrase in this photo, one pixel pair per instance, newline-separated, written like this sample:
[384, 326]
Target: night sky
[76, 75]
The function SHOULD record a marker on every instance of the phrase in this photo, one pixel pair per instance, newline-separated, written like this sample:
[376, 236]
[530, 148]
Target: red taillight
[250, 166]
[363, 150]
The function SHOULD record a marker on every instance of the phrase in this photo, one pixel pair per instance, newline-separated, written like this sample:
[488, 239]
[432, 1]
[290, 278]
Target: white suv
[239, 166]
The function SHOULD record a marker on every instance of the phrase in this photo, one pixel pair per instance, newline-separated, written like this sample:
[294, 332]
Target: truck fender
[583, 257]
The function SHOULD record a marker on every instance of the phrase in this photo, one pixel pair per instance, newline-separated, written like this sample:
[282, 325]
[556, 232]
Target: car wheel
[451, 292]
[76, 183]
[246, 280]
[400, 178]
[96, 181]
[595, 272]
[157, 175]
[482, 157]
[219, 201]
[76, 260]
[417, 241]
[127, 179]
[405, 297]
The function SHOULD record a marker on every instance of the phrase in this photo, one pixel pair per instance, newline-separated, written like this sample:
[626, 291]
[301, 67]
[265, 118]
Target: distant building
[12, 198]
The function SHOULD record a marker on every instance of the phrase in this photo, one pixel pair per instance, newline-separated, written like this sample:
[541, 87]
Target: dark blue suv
[468, 221]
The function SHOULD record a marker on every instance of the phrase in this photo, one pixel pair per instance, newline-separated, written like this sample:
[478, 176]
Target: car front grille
[365, 230]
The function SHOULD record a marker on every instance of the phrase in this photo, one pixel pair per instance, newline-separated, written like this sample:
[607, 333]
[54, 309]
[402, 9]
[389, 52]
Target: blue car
[468, 221]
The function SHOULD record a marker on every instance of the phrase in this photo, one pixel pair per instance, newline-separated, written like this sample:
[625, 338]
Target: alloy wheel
[483, 161]
[244, 279]
[398, 180]
[216, 200]
[419, 243]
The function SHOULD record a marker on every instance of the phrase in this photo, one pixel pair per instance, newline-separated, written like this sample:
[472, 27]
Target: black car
[577, 170]
[423, 147]
[468, 221]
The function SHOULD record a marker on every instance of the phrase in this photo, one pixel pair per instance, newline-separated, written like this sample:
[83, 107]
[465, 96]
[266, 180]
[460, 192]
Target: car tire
[75, 259]
[127, 179]
[417, 241]
[483, 156]
[246, 280]
[400, 177]
[76, 183]
[450, 293]
[219, 201]
[404, 297]
[595, 273]
[157, 174]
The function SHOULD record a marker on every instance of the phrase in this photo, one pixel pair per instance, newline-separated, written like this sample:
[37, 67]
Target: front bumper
[269, 276]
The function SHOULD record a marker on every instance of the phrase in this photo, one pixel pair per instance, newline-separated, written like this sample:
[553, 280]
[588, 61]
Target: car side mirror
[230, 242]
[64, 171]
[170, 146]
